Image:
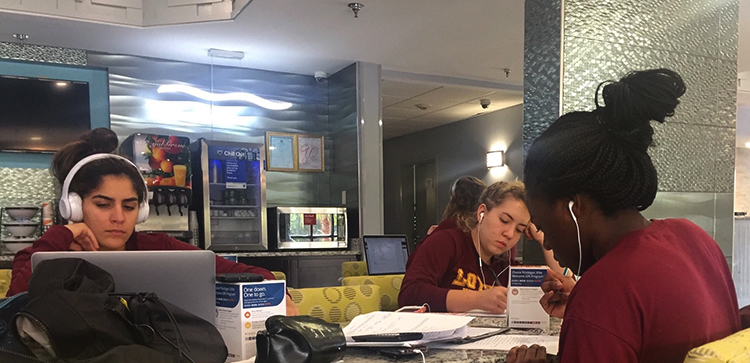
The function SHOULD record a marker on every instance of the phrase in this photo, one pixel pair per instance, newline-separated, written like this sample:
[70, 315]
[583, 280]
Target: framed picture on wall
[281, 149]
[310, 153]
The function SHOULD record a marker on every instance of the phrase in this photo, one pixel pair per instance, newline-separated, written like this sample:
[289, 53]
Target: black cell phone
[396, 352]
[388, 337]
[239, 277]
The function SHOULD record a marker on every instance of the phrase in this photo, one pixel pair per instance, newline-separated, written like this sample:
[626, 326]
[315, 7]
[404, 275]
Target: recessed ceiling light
[36, 138]
[61, 84]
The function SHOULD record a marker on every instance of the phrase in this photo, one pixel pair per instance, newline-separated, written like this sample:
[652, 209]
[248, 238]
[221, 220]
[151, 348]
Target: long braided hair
[603, 153]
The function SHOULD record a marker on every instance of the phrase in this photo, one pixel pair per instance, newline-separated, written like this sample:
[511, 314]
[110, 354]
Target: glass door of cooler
[234, 203]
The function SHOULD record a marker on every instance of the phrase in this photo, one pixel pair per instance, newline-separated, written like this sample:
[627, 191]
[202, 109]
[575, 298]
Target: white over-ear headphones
[71, 204]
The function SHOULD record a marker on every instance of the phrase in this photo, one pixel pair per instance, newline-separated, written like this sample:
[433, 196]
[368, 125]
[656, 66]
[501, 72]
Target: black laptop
[385, 254]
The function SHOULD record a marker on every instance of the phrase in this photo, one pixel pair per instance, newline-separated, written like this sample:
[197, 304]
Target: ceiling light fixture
[61, 84]
[229, 54]
[356, 7]
[217, 97]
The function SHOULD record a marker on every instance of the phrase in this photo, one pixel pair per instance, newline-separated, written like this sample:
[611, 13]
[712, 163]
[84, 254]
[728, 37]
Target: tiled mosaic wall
[698, 39]
[541, 81]
[605, 40]
[41, 53]
[23, 186]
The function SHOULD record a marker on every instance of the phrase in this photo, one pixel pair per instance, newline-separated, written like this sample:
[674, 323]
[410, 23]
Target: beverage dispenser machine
[164, 162]
[232, 203]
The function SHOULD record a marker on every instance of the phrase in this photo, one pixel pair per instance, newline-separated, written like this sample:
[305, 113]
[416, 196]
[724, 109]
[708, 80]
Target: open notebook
[434, 328]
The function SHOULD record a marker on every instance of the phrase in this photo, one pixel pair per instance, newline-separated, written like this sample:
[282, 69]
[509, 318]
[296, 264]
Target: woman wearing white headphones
[104, 196]
[465, 267]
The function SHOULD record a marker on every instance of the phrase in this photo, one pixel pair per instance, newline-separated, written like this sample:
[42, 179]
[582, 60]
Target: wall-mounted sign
[310, 153]
[292, 152]
[282, 151]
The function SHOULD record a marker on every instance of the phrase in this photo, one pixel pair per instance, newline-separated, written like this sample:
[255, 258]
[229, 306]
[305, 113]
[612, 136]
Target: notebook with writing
[183, 278]
[385, 254]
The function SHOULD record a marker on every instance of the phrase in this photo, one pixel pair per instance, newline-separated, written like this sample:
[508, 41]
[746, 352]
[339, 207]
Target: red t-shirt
[59, 238]
[447, 259]
[658, 293]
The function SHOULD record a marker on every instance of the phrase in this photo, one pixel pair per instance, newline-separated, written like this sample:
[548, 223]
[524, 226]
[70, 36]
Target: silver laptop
[183, 278]
[385, 254]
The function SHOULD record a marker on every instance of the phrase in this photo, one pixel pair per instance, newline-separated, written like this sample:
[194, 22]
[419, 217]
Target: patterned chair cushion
[390, 285]
[279, 275]
[732, 349]
[336, 304]
[353, 268]
[5, 275]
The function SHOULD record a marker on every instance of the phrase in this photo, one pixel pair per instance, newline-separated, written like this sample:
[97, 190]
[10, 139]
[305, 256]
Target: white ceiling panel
[405, 89]
[453, 95]
[391, 112]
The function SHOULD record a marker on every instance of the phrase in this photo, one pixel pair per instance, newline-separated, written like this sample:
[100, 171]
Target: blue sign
[264, 294]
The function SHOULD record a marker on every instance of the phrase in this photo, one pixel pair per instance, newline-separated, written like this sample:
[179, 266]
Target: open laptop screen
[385, 254]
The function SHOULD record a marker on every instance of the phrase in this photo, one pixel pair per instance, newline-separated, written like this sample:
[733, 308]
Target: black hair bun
[100, 140]
[640, 97]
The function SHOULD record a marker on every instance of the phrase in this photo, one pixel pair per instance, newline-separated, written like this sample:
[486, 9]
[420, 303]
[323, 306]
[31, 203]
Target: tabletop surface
[366, 355]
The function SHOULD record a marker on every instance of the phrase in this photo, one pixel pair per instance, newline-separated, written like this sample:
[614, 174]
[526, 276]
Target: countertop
[365, 355]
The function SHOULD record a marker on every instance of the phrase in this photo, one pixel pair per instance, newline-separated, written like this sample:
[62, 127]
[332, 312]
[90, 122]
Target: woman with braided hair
[649, 290]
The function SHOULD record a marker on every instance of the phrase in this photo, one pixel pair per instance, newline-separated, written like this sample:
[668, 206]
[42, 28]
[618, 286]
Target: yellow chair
[390, 285]
[5, 275]
[337, 304]
[353, 268]
[279, 275]
[732, 349]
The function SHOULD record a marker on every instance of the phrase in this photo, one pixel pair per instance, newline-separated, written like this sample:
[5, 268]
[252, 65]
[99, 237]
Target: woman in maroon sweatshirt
[106, 193]
[465, 267]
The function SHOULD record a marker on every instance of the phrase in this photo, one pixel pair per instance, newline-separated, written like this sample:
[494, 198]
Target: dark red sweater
[658, 293]
[447, 260]
[59, 238]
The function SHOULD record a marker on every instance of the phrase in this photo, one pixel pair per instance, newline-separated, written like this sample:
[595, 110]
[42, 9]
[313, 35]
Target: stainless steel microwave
[299, 228]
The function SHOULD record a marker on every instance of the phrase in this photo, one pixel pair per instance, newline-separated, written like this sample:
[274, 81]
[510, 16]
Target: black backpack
[70, 302]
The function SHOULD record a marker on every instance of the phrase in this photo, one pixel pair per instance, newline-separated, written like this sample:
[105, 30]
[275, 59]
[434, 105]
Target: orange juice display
[164, 160]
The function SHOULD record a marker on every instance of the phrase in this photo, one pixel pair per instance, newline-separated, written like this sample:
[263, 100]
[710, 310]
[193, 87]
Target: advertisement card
[524, 292]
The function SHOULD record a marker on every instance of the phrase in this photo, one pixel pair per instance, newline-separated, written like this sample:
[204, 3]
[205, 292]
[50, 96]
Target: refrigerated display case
[232, 206]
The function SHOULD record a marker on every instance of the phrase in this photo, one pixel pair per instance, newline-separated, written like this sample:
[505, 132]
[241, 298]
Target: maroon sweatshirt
[658, 293]
[59, 238]
[447, 260]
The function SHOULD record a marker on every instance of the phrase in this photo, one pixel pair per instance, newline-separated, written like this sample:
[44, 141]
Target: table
[365, 355]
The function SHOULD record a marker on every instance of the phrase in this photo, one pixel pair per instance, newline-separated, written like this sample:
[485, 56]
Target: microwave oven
[300, 228]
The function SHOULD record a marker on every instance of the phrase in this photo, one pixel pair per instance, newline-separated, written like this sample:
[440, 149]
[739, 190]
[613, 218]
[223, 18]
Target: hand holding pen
[556, 287]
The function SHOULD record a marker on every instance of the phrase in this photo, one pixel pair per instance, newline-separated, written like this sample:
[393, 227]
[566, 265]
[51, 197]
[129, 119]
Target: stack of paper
[434, 327]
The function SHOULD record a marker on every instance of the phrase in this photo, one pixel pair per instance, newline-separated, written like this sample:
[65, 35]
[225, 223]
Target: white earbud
[570, 208]
[481, 217]
[578, 234]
